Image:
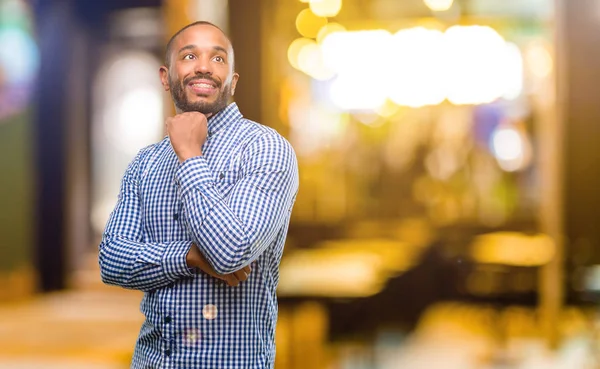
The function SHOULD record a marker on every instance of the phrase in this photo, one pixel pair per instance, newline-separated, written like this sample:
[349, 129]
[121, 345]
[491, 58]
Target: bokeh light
[308, 23]
[511, 147]
[19, 57]
[294, 51]
[326, 8]
[466, 65]
[476, 58]
[328, 29]
[539, 60]
[310, 61]
[439, 5]
[417, 76]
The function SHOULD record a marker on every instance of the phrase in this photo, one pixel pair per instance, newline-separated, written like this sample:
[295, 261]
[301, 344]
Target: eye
[189, 57]
[219, 59]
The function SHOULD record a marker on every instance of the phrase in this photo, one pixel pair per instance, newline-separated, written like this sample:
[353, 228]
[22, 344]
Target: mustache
[198, 76]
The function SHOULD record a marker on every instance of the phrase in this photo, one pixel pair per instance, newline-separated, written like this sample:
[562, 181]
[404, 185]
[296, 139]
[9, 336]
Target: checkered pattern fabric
[234, 202]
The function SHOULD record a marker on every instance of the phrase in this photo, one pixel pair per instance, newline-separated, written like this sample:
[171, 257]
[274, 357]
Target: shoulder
[258, 134]
[267, 142]
[147, 154]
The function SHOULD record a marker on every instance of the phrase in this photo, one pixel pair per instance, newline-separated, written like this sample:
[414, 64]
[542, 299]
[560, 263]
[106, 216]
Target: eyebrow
[192, 47]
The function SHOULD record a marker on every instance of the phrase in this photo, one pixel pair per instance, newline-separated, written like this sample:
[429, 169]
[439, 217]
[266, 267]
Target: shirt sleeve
[124, 259]
[233, 231]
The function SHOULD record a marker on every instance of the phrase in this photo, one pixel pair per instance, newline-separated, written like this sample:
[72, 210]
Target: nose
[202, 66]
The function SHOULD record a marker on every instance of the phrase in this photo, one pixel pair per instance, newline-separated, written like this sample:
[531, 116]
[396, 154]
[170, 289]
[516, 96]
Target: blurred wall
[19, 60]
[16, 197]
[245, 20]
[579, 89]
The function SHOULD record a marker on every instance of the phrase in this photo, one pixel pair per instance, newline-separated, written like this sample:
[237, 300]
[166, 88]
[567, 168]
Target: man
[201, 220]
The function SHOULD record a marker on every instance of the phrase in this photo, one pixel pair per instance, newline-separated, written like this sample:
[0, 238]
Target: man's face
[200, 77]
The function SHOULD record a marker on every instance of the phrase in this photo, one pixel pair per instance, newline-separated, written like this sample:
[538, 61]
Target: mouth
[202, 87]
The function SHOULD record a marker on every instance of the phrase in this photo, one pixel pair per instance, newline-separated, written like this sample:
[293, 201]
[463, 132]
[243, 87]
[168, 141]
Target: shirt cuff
[174, 260]
[194, 172]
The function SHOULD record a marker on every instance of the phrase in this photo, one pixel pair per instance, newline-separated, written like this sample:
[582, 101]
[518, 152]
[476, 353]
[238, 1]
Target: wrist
[188, 155]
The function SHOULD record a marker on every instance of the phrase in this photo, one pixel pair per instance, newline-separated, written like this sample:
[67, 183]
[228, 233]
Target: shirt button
[168, 320]
[167, 352]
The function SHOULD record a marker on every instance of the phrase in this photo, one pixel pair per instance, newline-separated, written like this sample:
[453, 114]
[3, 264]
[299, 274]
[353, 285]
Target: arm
[232, 232]
[124, 259]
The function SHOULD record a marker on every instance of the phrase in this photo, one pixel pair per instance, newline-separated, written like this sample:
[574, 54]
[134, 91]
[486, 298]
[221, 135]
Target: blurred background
[450, 175]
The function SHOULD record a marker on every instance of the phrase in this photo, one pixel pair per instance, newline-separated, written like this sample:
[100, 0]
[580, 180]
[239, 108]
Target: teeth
[202, 85]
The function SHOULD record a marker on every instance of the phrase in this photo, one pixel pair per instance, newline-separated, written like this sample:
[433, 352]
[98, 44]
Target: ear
[234, 81]
[164, 77]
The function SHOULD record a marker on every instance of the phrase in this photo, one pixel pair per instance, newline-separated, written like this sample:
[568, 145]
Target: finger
[231, 280]
[241, 275]
[247, 269]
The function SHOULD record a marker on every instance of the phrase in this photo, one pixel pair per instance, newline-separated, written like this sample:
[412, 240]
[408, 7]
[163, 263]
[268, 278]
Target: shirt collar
[224, 118]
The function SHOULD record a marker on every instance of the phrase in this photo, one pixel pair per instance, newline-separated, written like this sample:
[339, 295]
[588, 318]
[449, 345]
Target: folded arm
[233, 231]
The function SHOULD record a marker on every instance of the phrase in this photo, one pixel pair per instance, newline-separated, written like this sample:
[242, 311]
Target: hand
[235, 278]
[187, 132]
[195, 259]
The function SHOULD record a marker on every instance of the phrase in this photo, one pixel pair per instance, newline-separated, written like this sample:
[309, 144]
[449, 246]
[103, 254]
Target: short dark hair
[174, 37]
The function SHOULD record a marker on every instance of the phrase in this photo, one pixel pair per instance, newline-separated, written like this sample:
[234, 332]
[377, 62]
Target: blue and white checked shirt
[234, 202]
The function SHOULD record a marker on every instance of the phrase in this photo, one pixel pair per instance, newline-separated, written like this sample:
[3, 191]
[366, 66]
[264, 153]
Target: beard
[185, 105]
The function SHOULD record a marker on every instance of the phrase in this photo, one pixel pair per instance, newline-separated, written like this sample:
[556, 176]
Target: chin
[205, 99]
[202, 99]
